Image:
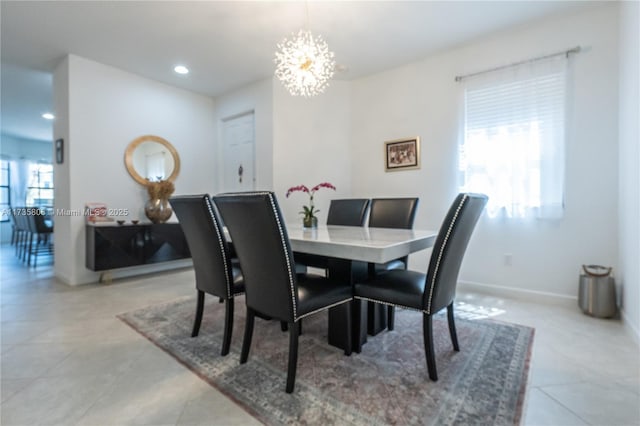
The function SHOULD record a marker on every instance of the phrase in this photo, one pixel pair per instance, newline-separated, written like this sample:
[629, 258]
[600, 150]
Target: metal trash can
[597, 293]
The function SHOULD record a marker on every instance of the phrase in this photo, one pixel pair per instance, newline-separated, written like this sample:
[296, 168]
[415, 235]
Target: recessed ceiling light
[181, 69]
[48, 116]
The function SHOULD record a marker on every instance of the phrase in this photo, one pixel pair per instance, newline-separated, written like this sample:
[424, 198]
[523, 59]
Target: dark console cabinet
[119, 246]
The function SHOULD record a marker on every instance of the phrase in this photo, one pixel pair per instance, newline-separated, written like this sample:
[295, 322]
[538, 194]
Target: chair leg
[452, 328]
[198, 319]
[37, 251]
[25, 246]
[248, 334]
[294, 332]
[391, 314]
[29, 249]
[25, 249]
[427, 331]
[228, 326]
[19, 243]
[284, 326]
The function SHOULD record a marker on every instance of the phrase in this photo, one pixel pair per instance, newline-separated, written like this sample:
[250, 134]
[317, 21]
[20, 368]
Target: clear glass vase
[310, 222]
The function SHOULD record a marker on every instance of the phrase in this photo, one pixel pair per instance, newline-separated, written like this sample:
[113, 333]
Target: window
[40, 189]
[5, 190]
[513, 139]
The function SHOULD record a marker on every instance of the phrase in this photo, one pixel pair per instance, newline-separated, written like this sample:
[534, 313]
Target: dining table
[352, 252]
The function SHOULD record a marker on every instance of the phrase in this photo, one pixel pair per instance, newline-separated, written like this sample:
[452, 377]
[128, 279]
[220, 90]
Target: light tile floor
[66, 359]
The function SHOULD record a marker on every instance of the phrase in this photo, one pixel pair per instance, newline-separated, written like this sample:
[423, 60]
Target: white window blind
[513, 139]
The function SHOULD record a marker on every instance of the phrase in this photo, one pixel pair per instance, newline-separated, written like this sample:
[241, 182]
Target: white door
[238, 150]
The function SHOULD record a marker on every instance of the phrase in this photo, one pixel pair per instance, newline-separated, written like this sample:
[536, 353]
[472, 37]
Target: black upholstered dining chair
[348, 212]
[398, 213]
[24, 233]
[215, 273]
[42, 232]
[344, 212]
[273, 289]
[431, 292]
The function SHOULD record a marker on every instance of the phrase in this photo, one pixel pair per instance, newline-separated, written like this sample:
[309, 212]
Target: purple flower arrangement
[309, 211]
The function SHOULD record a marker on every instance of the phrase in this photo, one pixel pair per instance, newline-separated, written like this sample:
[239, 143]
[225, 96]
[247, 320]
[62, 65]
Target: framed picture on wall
[402, 154]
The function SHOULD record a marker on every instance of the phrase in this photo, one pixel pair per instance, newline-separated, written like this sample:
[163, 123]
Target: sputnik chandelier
[304, 64]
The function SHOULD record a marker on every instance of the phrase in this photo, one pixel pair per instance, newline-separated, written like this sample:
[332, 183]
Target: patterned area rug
[387, 383]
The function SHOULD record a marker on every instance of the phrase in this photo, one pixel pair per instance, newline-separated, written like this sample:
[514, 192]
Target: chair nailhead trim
[323, 308]
[286, 256]
[441, 252]
[222, 246]
[282, 239]
[390, 304]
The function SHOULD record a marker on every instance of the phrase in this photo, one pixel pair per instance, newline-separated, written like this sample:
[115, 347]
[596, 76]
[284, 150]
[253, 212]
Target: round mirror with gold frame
[151, 158]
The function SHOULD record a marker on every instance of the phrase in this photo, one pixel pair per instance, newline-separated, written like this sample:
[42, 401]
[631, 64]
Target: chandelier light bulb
[304, 64]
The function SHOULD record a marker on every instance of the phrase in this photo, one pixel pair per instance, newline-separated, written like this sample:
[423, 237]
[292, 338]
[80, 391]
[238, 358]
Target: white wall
[64, 256]
[422, 99]
[629, 272]
[105, 109]
[311, 144]
[256, 97]
[298, 140]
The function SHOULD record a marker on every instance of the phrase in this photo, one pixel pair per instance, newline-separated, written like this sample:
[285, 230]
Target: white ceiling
[226, 44]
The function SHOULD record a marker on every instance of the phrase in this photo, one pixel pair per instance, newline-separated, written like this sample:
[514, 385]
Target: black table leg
[377, 312]
[349, 271]
[358, 321]
[376, 318]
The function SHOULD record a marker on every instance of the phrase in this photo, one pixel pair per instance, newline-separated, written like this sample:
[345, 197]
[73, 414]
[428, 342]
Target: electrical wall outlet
[508, 259]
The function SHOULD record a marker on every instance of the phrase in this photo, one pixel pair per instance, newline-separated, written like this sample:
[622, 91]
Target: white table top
[377, 245]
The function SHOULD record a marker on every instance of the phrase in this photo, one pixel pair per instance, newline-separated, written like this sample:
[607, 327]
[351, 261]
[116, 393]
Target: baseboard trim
[63, 278]
[151, 269]
[91, 277]
[519, 293]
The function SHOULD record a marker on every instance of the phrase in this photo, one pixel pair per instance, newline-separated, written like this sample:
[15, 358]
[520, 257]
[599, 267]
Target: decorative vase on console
[309, 218]
[157, 208]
